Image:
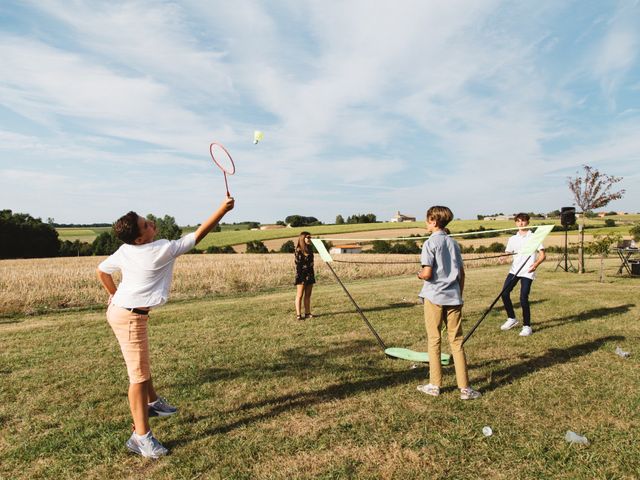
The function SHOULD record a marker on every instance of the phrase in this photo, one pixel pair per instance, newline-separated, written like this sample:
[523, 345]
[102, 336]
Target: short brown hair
[126, 228]
[522, 216]
[441, 215]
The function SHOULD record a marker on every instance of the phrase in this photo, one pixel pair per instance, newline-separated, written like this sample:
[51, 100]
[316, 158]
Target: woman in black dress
[305, 277]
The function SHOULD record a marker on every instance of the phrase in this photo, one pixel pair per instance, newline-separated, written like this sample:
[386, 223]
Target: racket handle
[226, 184]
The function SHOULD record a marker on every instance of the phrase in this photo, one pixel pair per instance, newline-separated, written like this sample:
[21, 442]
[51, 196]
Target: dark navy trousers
[525, 287]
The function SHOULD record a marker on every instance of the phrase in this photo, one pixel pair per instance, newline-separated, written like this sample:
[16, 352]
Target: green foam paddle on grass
[413, 356]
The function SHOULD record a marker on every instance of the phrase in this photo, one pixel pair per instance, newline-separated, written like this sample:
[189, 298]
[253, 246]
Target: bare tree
[600, 246]
[591, 191]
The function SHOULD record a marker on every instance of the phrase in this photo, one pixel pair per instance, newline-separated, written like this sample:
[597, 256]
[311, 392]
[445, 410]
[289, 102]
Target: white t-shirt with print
[147, 271]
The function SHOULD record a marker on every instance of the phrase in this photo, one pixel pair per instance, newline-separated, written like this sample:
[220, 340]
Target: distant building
[353, 248]
[399, 217]
[499, 217]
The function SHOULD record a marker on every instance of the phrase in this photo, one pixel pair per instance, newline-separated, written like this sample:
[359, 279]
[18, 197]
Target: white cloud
[617, 52]
[418, 100]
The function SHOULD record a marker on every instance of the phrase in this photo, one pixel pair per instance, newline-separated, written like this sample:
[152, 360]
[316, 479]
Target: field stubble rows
[40, 285]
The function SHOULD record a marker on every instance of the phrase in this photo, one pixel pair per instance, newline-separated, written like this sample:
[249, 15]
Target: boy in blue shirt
[443, 275]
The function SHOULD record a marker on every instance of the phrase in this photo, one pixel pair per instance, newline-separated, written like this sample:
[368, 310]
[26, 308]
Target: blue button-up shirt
[442, 254]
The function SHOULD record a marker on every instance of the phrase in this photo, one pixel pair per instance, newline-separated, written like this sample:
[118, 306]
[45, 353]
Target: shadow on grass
[284, 403]
[7, 320]
[390, 306]
[311, 361]
[584, 316]
[552, 357]
[305, 362]
[297, 363]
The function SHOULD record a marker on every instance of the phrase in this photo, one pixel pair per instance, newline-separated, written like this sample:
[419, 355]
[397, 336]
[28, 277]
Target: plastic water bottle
[573, 437]
[622, 353]
[486, 431]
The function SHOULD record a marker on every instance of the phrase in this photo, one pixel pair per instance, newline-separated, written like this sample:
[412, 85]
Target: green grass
[262, 396]
[230, 236]
[83, 234]
[238, 237]
[235, 238]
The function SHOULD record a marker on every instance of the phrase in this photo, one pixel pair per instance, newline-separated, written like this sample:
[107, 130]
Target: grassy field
[457, 226]
[83, 234]
[230, 236]
[262, 396]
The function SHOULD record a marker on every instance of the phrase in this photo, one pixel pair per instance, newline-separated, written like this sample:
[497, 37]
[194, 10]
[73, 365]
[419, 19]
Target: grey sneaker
[148, 446]
[429, 389]
[161, 408]
[509, 324]
[469, 394]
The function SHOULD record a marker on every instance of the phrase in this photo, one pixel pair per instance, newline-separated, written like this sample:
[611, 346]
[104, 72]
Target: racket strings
[222, 158]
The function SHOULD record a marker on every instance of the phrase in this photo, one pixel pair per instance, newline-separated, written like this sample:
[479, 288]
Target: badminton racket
[223, 161]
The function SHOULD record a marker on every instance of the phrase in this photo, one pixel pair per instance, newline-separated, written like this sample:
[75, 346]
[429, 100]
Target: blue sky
[367, 106]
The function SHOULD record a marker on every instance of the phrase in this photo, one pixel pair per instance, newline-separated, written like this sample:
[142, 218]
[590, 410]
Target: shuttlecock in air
[257, 136]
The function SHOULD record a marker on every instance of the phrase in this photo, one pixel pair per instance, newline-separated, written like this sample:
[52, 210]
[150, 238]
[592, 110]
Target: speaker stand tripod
[568, 266]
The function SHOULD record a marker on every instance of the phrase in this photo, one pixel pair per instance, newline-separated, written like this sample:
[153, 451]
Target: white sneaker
[509, 324]
[429, 389]
[469, 394]
[526, 331]
[148, 446]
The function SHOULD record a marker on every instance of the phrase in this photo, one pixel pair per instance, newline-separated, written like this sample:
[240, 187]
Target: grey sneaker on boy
[148, 446]
[161, 408]
[509, 324]
[469, 394]
[429, 389]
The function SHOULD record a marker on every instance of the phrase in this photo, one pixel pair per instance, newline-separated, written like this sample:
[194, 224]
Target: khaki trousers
[434, 315]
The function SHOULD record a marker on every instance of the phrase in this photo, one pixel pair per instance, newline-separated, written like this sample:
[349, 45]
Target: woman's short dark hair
[126, 228]
[522, 216]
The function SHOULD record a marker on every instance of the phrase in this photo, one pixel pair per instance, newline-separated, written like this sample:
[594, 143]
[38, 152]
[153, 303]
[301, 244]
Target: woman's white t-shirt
[147, 271]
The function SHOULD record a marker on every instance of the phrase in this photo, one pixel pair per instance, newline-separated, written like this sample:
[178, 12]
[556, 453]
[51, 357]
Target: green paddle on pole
[393, 352]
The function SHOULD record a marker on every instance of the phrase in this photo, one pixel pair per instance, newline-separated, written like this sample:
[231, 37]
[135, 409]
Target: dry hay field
[39, 285]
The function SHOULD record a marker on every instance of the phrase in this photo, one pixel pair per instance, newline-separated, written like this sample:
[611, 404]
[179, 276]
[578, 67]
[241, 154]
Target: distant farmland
[239, 234]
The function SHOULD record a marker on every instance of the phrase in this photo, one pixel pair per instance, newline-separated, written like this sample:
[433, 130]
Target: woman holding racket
[305, 276]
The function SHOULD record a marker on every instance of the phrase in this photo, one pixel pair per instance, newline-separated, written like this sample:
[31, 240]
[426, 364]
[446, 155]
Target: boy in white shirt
[147, 269]
[519, 273]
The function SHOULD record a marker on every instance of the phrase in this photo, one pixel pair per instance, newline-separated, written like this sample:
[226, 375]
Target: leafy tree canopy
[167, 227]
[106, 243]
[301, 221]
[362, 218]
[23, 236]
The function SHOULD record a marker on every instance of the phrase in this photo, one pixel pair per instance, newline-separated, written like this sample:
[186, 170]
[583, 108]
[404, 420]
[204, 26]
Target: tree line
[23, 236]
[303, 221]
